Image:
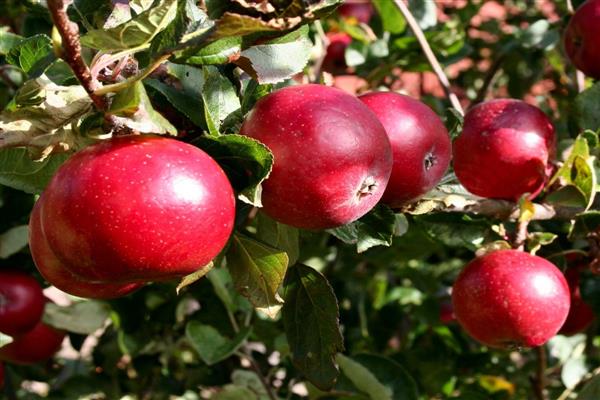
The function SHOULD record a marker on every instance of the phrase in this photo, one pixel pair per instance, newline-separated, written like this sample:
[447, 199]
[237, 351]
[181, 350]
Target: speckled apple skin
[55, 272]
[581, 315]
[327, 145]
[504, 150]
[39, 344]
[137, 209]
[510, 298]
[21, 302]
[420, 142]
[581, 38]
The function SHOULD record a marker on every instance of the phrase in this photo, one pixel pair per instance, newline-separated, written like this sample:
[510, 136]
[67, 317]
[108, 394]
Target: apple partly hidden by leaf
[136, 209]
[421, 145]
[36, 345]
[21, 302]
[581, 38]
[332, 156]
[505, 149]
[510, 299]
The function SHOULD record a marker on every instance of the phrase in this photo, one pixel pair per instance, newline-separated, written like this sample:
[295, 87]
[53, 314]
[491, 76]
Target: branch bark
[539, 382]
[69, 32]
[431, 58]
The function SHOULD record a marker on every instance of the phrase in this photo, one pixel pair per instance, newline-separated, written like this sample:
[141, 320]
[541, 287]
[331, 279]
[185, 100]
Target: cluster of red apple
[21, 307]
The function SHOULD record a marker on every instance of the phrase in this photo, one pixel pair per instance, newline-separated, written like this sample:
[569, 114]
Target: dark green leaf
[246, 161]
[84, 317]
[221, 51]
[278, 235]
[587, 108]
[257, 271]
[19, 171]
[13, 240]
[376, 228]
[211, 346]
[392, 18]
[311, 321]
[33, 55]
[8, 40]
[585, 223]
[454, 230]
[220, 99]
[136, 32]
[591, 390]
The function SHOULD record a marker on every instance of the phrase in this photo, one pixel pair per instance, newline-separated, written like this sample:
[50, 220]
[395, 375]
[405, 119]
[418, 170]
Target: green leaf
[378, 377]
[278, 59]
[577, 171]
[425, 13]
[233, 392]
[194, 276]
[19, 171]
[5, 339]
[246, 162]
[573, 371]
[278, 235]
[135, 32]
[221, 51]
[33, 55]
[587, 108]
[585, 223]
[392, 18]
[221, 283]
[220, 99]
[591, 391]
[84, 317]
[251, 381]
[8, 40]
[536, 240]
[257, 271]
[13, 240]
[132, 108]
[376, 228]
[210, 345]
[311, 322]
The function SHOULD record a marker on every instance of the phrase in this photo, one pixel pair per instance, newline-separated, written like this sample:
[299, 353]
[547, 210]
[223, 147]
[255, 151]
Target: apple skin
[39, 344]
[21, 302]
[361, 10]
[335, 57]
[332, 156]
[581, 314]
[137, 209]
[504, 150]
[421, 145]
[509, 298]
[54, 271]
[581, 38]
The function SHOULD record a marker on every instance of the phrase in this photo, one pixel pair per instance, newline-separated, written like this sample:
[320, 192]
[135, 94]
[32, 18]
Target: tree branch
[69, 32]
[539, 382]
[431, 58]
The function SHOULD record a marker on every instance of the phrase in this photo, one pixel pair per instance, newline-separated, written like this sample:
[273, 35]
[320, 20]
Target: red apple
[335, 58]
[54, 271]
[21, 302]
[504, 150]
[137, 209]
[447, 312]
[39, 344]
[332, 156]
[580, 315]
[581, 38]
[420, 145]
[362, 10]
[510, 298]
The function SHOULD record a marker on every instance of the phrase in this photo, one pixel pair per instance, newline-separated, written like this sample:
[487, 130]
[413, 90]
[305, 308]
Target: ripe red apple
[332, 156]
[54, 271]
[510, 298]
[580, 315]
[504, 150]
[581, 38]
[420, 145]
[137, 209]
[39, 344]
[335, 58]
[21, 302]
[362, 10]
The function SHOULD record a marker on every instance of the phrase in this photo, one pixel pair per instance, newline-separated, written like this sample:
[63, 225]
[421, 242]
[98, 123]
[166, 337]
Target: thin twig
[431, 58]
[539, 382]
[69, 32]
[521, 234]
[117, 87]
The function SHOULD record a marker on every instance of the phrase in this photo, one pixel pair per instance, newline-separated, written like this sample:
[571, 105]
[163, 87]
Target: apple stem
[429, 54]
[521, 234]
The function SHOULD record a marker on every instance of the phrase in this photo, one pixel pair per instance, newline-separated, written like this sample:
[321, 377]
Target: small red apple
[504, 150]
[54, 271]
[447, 312]
[362, 10]
[39, 344]
[420, 145]
[509, 298]
[137, 209]
[335, 58]
[21, 302]
[581, 38]
[581, 314]
[332, 155]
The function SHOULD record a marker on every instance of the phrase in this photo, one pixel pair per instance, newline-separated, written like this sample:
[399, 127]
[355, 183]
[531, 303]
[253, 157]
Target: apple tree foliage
[354, 312]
